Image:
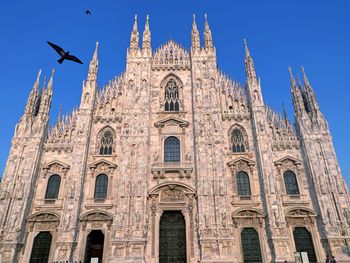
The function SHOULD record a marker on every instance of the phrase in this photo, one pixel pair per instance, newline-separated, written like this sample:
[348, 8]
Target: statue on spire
[249, 63]
[134, 38]
[93, 67]
[146, 37]
[208, 40]
[195, 35]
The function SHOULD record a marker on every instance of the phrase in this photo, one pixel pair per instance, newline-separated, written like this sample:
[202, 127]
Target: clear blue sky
[315, 34]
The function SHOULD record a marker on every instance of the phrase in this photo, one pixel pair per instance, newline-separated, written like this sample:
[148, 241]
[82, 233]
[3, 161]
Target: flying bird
[64, 55]
[88, 12]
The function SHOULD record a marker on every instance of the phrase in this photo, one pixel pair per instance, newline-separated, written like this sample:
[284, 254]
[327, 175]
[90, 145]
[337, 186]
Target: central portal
[172, 238]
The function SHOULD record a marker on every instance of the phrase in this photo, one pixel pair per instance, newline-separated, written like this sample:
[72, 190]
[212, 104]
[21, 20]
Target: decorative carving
[300, 216]
[248, 217]
[172, 195]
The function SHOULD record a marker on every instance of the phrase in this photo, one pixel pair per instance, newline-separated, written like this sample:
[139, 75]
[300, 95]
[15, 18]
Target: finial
[194, 17]
[52, 72]
[147, 17]
[96, 45]
[306, 80]
[284, 111]
[59, 114]
[135, 17]
[205, 16]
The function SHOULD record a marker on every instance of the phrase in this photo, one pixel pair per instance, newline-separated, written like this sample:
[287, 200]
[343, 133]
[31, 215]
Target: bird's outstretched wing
[58, 49]
[74, 58]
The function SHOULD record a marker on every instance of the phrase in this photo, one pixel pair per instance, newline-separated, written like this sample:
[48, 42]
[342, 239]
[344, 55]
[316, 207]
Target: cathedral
[173, 161]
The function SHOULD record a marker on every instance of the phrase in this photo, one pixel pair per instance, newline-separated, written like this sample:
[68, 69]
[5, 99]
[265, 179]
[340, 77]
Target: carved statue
[155, 156]
[119, 220]
[188, 156]
[137, 219]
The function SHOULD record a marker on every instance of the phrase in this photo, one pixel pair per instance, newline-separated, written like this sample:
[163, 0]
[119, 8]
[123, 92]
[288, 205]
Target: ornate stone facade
[173, 133]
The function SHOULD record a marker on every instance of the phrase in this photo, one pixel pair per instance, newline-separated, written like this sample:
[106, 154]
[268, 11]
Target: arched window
[106, 143]
[243, 186]
[171, 96]
[101, 186]
[41, 248]
[290, 182]
[237, 141]
[53, 187]
[172, 149]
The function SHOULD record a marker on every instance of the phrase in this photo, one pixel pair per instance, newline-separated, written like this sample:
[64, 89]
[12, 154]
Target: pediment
[171, 121]
[44, 216]
[286, 159]
[96, 215]
[56, 165]
[248, 212]
[241, 160]
[173, 185]
[103, 162]
[300, 212]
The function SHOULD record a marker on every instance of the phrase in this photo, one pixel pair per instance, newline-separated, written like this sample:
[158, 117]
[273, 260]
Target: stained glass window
[172, 149]
[101, 186]
[106, 143]
[53, 187]
[237, 141]
[243, 186]
[290, 182]
[172, 96]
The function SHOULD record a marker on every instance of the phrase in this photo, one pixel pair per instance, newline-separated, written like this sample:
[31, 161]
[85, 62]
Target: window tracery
[106, 142]
[171, 96]
[237, 141]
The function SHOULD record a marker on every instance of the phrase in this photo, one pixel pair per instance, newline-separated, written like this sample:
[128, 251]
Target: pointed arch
[172, 86]
[238, 139]
[106, 141]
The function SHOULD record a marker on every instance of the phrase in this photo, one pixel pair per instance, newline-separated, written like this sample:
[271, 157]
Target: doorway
[172, 237]
[303, 243]
[94, 246]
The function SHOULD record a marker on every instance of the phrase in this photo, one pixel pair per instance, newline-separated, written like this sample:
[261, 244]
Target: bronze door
[172, 238]
[251, 245]
[303, 243]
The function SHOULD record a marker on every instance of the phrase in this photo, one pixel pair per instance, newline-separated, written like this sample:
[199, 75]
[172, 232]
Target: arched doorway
[41, 248]
[172, 238]
[250, 245]
[94, 246]
[303, 243]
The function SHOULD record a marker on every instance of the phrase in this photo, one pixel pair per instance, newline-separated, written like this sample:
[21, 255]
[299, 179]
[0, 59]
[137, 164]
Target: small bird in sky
[88, 12]
[64, 55]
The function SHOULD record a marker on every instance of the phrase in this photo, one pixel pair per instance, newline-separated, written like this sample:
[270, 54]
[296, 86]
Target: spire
[93, 67]
[195, 35]
[33, 95]
[208, 41]
[285, 116]
[134, 38]
[309, 92]
[249, 63]
[292, 80]
[146, 37]
[298, 101]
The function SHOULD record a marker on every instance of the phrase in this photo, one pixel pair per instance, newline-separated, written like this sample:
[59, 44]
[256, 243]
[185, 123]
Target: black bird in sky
[88, 12]
[64, 55]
